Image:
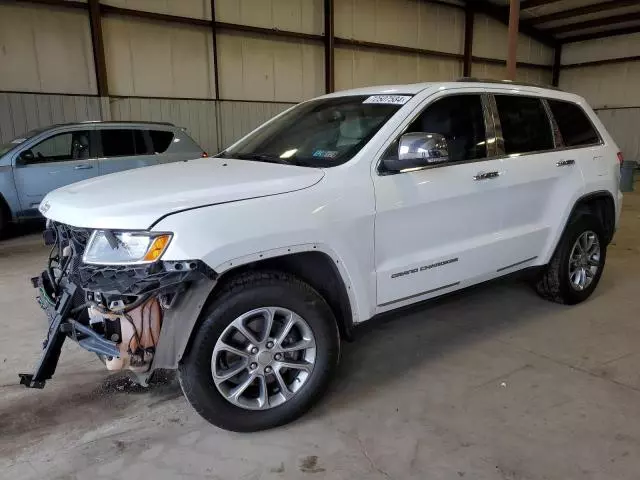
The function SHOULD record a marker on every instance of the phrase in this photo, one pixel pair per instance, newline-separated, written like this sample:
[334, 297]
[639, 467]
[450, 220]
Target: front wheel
[263, 354]
[577, 264]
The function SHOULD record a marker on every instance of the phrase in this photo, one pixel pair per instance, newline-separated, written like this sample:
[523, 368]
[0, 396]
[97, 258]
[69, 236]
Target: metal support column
[514, 19]
[328, 47]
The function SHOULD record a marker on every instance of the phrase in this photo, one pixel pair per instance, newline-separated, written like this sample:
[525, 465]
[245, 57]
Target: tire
[555, 283]
[246, 293]
[4, 221]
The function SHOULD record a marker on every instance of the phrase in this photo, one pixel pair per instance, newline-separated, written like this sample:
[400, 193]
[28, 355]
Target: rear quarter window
[574, 125]
[160, 139]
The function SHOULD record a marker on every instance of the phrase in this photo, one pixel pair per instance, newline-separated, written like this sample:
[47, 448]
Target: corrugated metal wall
[622, 124]
[611, 89]
[490, 41]
[44, 50]
[213, 124]
[256, 67]
[163, 71]
[21, 112]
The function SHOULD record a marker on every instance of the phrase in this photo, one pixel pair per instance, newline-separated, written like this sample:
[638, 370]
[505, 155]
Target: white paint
[372, 226]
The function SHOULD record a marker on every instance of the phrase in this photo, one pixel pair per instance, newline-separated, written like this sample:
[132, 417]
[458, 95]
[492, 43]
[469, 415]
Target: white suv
[244, 271]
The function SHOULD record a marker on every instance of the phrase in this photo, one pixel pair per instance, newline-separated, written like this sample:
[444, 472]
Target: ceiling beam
[502, 15]
[587, 10]
[597, 35]
[527, 4]
[599, 22]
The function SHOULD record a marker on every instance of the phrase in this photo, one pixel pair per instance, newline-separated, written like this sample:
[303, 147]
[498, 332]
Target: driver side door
[437, 227]
[58, 160]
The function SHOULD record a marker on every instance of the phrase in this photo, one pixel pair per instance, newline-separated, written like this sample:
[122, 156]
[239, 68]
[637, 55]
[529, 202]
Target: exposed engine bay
[115, 311]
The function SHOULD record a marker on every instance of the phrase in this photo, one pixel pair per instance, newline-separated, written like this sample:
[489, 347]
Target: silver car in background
[44, 159]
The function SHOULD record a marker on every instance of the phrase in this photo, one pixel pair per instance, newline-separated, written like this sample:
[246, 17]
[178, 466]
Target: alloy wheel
[263, 358]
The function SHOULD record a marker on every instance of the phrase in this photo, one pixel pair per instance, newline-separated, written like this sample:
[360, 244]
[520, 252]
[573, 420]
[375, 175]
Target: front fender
[230, 235]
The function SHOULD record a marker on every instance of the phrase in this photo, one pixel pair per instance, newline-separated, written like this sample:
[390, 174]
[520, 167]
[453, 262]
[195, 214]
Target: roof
[105, 122]
[414, 88]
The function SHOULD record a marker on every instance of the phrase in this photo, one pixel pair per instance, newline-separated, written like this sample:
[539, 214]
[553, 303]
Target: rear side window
[160, 139]
[117, 143]
[525, 124]
[575, 127]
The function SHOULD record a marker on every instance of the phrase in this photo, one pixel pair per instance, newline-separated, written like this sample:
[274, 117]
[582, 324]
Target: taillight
[205, 155]
[620, 158]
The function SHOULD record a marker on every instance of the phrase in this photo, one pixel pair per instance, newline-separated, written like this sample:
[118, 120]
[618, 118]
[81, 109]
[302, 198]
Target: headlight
[122, 248]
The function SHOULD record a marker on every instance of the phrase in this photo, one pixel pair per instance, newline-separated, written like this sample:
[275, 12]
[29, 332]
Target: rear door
[124, 148]
[543, 177]
[58, 160]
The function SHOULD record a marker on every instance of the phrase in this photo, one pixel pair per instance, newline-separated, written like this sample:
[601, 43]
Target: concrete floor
[494, 383]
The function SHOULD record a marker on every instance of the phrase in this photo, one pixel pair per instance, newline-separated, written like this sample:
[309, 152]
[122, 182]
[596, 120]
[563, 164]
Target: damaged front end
[126, 314]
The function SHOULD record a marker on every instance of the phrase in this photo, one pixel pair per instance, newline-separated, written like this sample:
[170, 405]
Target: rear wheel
[576, 267]
[263, 355]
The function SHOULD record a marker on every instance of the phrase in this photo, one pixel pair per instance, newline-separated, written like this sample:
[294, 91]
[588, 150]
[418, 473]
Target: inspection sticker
[388, 99]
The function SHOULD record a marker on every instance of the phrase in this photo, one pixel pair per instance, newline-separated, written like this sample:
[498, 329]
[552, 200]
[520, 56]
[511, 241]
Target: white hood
[135, 199]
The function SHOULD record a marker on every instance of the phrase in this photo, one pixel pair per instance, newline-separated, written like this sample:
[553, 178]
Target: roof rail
[507, 82]
[128, 122]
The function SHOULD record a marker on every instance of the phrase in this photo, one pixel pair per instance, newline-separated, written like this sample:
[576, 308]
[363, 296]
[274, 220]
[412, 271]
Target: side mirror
[418, 149]
[26, 157]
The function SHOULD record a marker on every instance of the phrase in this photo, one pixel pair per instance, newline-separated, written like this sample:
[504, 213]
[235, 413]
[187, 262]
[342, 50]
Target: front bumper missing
[106, 287]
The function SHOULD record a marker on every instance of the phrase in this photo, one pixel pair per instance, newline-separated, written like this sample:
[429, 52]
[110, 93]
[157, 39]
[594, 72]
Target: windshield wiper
[260, 157]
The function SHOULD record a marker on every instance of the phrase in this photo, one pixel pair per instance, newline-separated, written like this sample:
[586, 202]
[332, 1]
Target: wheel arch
[602, 205]
[311, 264]
[314, 266]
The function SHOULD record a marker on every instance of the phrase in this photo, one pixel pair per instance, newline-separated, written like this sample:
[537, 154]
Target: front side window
[62, 147]
[574, 125]
[320, 133]
[525, 124]
[460, 119]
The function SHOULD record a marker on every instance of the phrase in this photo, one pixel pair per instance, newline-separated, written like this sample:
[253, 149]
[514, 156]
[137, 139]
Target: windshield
[5, 147]
[320, 133]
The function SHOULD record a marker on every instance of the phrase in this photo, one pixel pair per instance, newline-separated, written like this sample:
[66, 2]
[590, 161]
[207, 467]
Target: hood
[136, 199]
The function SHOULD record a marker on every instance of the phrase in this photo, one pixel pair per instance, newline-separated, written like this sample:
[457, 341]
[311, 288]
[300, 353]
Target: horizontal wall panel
[45, 50]
[401, 22]
[197, 116]
[361, 67]
[21, 112]
[256, 67]
[158, 59]
[183, 8]
[490, 40]
[305, 16]
[622, 125]
[492, 71]
[239, 118]
[613, 85]
[601, 49]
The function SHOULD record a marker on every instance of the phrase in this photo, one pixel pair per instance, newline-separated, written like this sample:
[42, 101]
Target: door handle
[83, 167]
[565, 163]
[486, 175]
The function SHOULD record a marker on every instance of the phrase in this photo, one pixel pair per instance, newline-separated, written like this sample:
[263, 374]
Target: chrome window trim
[558, 141]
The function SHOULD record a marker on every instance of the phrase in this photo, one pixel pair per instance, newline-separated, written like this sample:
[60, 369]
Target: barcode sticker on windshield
[388, 99]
